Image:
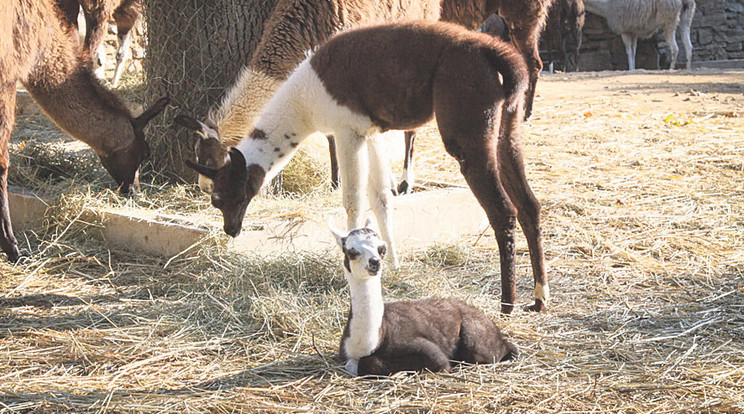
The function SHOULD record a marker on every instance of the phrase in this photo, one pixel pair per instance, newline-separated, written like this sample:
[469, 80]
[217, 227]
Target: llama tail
[510, 64]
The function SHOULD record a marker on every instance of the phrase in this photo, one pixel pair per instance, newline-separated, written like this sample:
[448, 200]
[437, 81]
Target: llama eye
[353, 253]
[217, 202]
[382, 250]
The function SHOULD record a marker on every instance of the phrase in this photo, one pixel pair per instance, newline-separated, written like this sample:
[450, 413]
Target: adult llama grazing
[38, 51]
[372, 79]
[641, 19]
[296, 26]
[428, 334]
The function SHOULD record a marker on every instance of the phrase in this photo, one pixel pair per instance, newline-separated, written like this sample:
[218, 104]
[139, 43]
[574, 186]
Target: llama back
[464, 332]
[385, 72]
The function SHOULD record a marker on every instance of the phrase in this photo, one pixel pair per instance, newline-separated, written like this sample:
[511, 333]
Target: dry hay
[642, 220]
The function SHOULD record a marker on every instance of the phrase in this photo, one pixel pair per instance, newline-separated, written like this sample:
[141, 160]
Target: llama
[525, 18]
[640, 19]
[295, 27]
[97, 13]
[566, 19]
[427, 334]
[45, 58]
[443, 69]
[496, 26]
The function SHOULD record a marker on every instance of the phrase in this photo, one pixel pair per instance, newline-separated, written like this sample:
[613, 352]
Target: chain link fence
[195, 50]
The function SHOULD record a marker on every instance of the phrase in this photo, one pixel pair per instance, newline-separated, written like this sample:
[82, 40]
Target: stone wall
[717, 34]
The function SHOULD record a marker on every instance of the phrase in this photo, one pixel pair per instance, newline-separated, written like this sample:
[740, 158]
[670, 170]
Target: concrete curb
[420, 219]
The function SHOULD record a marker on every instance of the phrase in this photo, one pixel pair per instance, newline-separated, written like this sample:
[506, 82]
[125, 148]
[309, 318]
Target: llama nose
[374, 265]
[232, 230]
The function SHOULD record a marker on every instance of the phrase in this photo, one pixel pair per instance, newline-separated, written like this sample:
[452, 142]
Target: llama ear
[153, 110]
[197, 126]
[340, 237]
[368, 223]
[208, 172]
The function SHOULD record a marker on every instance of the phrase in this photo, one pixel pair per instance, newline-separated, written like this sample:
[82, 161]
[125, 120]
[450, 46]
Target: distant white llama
[641, 19]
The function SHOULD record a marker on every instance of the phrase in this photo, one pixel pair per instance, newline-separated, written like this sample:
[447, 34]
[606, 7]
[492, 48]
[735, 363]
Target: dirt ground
[641, 180]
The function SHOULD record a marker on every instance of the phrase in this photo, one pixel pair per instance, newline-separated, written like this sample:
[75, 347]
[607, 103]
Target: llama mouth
[373, 272]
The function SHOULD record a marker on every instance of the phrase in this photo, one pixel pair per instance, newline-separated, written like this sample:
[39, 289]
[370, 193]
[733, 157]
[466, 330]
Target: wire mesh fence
[195, 49]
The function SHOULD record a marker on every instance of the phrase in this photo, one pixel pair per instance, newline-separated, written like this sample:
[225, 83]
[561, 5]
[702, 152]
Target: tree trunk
[195, 50]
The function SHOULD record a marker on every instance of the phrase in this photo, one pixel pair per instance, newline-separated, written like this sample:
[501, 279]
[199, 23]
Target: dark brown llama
[38, 51]
[566, 20]
[373, 79]
[384, 338]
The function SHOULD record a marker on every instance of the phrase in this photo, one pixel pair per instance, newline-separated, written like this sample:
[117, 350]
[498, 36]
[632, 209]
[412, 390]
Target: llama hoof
[507, 308]
[538, 306]
[403, 188]
[352, 367]
[14, 254]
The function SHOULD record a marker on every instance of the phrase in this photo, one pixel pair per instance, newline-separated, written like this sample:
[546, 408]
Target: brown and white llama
[428, 334]
[373, 79]
[296, 26]
[97, 14]
[38, 51]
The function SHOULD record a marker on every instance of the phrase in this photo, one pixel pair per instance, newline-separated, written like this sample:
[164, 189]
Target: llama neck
[283, 124]
[242, 104]
[80, 106]
[367, 309]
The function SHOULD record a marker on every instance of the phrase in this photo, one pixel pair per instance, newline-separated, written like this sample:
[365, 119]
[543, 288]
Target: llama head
[208, 149]
[123, 164]
[363, 251]
[233, 187]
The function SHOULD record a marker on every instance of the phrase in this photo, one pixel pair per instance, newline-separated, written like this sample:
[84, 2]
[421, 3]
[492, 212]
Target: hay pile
[642, 222]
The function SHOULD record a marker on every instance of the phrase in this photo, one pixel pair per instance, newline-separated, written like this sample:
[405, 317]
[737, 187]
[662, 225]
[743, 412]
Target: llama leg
[688, 46]
[353, 165]
[628, 42]
[406, 180]
[95, 31]
[418, 355]
[670, 35]
[334, 161]
[122, 52]
[481, 341]
[379, 193]
[526, 41]
[511, 170]
[478, 164]
[577, 35]
[7, 118]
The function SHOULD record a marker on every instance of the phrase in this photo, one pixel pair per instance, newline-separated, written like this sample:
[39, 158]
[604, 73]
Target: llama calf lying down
[373, 79]
[428, 334]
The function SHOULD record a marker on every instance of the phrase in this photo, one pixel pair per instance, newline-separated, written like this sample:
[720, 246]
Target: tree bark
[195, 50]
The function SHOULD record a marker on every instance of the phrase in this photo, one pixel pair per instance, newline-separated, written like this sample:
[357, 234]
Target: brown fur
[39, 51]
[525, 18]
[566, 19]
[97, 13]
[432, 334]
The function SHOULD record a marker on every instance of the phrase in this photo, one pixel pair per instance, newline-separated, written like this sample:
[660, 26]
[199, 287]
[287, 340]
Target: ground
[641, 179]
